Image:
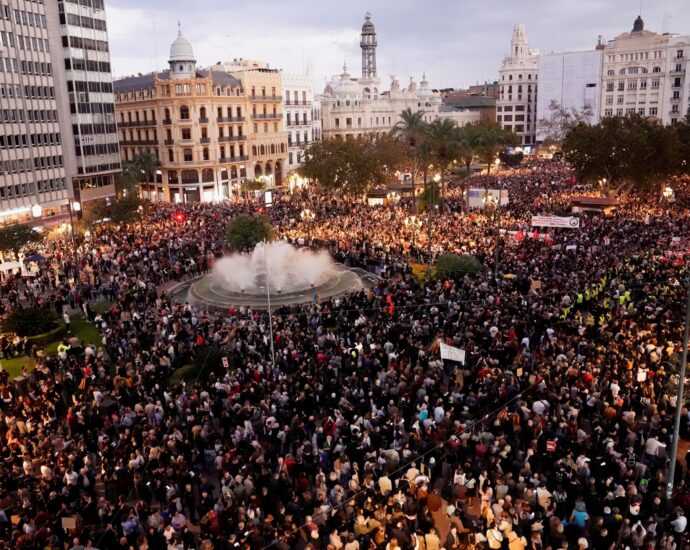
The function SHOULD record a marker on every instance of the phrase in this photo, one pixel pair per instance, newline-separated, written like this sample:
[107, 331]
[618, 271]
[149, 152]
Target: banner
[452, 354]
[567, 222]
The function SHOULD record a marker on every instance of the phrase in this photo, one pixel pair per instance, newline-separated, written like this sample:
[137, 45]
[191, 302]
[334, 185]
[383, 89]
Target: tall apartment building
[516, 108]
[573, 79]
[91, 99]
[645, 72]
[298, 115]
[38, 155]
[211, 129]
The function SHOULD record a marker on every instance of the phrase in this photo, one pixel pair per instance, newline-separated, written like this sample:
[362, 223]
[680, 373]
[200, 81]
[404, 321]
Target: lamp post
[679, 400]
[430, 208]
[493, 203]
[74, 206]
[413, 224]
[308, 216]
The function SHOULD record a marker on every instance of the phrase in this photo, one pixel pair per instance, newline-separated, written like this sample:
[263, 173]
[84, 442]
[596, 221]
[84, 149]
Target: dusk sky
[457, 42]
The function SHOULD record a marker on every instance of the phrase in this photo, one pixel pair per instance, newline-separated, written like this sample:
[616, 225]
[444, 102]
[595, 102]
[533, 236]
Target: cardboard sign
[69, 523]
[226, 363]
[452, 354]
[551, 446]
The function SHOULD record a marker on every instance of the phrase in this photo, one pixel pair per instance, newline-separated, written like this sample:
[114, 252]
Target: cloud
[457, 42]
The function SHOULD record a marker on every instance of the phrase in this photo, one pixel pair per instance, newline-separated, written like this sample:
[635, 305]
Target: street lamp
[308, 216]
[492, 203]
[412, 223]
[36, 210]
[74, 206]
[431, 206]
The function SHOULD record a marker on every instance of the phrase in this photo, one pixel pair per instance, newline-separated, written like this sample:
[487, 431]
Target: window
[188, 157]
[186, 133]
[679, 54]
[611, 72]
[609, 100]
[653, 111]
[621, 86]
[640, 111]
[655, 84]
[656, 70]
[608, 112]
[184, 112]
[643, 85]
[619, 100]
[171, 157]
[206, 156]
[609, 87]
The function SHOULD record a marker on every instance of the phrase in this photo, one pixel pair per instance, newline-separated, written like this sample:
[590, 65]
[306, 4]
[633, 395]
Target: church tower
[368, 45]
[519, 45]
[182, 61]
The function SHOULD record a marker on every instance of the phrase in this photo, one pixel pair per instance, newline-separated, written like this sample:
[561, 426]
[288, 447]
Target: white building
[353, 106]
[644, 72]
[573, 79]
[298, 115]
[516, 108]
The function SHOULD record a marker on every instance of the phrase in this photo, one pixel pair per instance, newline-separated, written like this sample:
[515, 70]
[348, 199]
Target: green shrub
[452, 266]
[30, 321]
[245, 232]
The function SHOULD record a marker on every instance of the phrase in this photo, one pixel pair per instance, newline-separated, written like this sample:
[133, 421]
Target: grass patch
[86, 332]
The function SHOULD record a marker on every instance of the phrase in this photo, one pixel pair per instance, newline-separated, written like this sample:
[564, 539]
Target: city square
[241, 308]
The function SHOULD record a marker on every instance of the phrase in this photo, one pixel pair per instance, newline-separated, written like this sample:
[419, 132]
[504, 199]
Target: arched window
[622, 71]
[282, 147]
[184, 112]
[273, 149]
[656, 70]
[254, 150]
[188, 156]
[233, 172]
[202, 112]
[190, 176]
[611, 72]
[207, 175]
[167, 114]
[262, 150]
[172, 176]
[206, 156]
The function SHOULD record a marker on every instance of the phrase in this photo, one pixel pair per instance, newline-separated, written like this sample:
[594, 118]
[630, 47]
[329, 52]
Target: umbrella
[34, 258]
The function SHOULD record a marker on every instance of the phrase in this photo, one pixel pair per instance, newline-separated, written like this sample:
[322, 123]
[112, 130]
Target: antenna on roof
[666, 24]
[155, 45]
[179, 28]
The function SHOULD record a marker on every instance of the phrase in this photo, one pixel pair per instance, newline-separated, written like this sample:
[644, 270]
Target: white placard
[567, 222]
[452, 354]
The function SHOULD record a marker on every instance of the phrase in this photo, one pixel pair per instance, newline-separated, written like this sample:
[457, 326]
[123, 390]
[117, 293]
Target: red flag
[391, 308]
[519, 236]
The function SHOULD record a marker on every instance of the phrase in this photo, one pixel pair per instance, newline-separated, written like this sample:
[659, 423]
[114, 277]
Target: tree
[245, 232]
[141, 169]
[29, 321]
[342, 166]
[469, 142]
[14, 237]
[443, 145]
[389, 157]
[492, 139]
[429, 197]
[512, 160]
[411, 129]
[454, 266]
[560, 120]
[620, 153]
[125, 209]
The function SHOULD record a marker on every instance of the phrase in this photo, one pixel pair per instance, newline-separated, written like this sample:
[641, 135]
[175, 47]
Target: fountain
[275, 273]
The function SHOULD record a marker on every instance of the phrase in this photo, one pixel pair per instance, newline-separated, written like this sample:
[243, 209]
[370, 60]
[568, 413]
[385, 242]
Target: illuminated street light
[36, 210]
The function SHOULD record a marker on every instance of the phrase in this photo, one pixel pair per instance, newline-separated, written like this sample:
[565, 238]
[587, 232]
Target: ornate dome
[346, 86]
[368, 26]
[181, 49]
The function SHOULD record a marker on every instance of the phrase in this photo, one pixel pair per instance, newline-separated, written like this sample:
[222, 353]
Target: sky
[456, 42]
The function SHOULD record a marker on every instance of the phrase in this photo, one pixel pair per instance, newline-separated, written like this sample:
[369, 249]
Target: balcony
[169, 142]
[227, 160]
[267, 98]
[267, 116]
[230, 119]
[205, 140]
[674, 72]
[225, 139]
[137, 123]
[299, 123]
[297, 103]
[203, 120]
[140, 142]
[167, 122]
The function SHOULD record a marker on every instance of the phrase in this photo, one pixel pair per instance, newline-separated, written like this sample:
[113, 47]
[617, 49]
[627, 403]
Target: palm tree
[411, 129]
[443, 143]
[146, 163]
[491, 140]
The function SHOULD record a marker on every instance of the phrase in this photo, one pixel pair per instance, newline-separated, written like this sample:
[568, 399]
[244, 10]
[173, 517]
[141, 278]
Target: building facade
[516, 107]
[573, 79]
[298, 115]
[40, 110]
[91, 100]
[645, 72]
[353, 107]
[211, 130]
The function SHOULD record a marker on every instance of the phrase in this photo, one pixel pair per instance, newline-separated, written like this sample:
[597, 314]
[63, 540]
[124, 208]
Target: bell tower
[368, 45]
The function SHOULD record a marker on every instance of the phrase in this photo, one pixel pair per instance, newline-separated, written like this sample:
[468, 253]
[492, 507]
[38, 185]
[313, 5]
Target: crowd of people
[554, 433]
